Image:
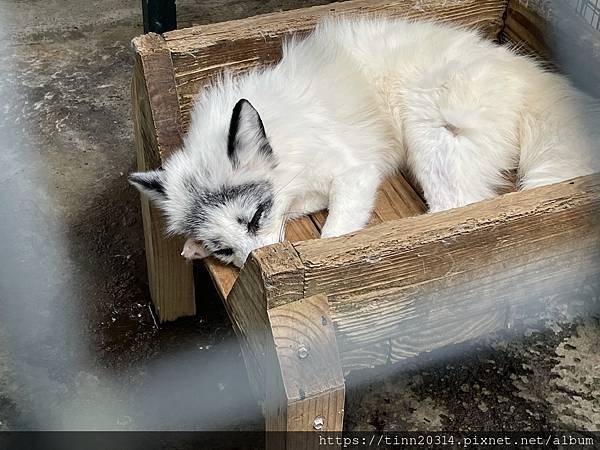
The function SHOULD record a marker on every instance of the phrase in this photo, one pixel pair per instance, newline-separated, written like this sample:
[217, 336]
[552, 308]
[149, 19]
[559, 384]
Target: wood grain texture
[529, 288]
[200, 12]
[200, 53]
[222, 275]
[366, 357]
[467, 305]
[527, 27]
[170, 277]
[417, 284]
[158, 74]
[270, 273]
[245, 306]
[379, 253]
[308, 366]
[397, 199]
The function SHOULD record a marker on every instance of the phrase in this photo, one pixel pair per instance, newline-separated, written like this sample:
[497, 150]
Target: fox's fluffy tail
[559, 133]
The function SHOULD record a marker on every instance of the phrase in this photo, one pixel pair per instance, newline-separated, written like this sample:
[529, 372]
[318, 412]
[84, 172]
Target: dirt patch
[531, 381]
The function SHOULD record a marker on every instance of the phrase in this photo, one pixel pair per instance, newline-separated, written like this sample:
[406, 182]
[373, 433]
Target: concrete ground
[79, 347]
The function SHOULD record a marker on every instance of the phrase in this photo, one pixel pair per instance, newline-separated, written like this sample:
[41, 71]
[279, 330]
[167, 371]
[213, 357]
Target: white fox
[347, 106]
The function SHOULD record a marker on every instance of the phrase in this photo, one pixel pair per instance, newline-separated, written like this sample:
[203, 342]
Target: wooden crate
[308, 311]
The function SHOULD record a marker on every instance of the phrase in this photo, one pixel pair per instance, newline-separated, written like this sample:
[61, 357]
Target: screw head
[303, 352]
[319, 423]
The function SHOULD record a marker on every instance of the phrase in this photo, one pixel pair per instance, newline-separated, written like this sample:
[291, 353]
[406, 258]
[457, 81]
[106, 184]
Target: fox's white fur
[355, 101]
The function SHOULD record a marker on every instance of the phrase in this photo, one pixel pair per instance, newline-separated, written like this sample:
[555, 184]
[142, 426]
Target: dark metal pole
[159, 15]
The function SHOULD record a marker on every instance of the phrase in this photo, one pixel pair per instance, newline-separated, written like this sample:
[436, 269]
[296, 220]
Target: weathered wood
[157, 133]
[191, 13]
[306, 385]
[200, 53]
[413, 285]
[366, 357]
[436, 279]
[385, 252]
[530, 288]
[526, 27]
[157, 71]
[271, 274]
[467, 305]
[396, 200]
[222, 275]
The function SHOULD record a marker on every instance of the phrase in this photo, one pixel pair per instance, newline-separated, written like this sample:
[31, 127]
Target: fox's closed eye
[253, 224]
[223, 252]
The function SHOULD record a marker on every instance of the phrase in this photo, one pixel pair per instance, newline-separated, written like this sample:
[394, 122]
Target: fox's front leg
[351, 199]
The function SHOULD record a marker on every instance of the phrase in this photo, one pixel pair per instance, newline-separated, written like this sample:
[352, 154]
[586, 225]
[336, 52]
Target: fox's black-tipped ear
[247, 137]
[150, 183]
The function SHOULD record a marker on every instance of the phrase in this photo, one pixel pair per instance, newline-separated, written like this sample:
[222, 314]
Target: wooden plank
[247, 313]
[158, 75]
[301, 229]
[198, 12]
[559, 282]
[391, 246]
[223, 275]
[365, 357]
[527, 28]
[437, 279]
[397, 200]
[200, 53]
[272, 274]
[156, 133]
[281, 271]
[319, 219]
[466, 305]
[306, 370]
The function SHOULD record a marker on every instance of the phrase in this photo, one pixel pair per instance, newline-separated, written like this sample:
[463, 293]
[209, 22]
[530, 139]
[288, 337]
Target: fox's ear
[150, 183]
[194, 250]
[247, 137]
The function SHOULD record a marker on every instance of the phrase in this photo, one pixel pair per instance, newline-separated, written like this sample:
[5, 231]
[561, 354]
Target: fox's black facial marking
[245, 119]
[219, 248]
[233, 131]
[152, 185]
[254, 224]
[223, 252]
[203, 201]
